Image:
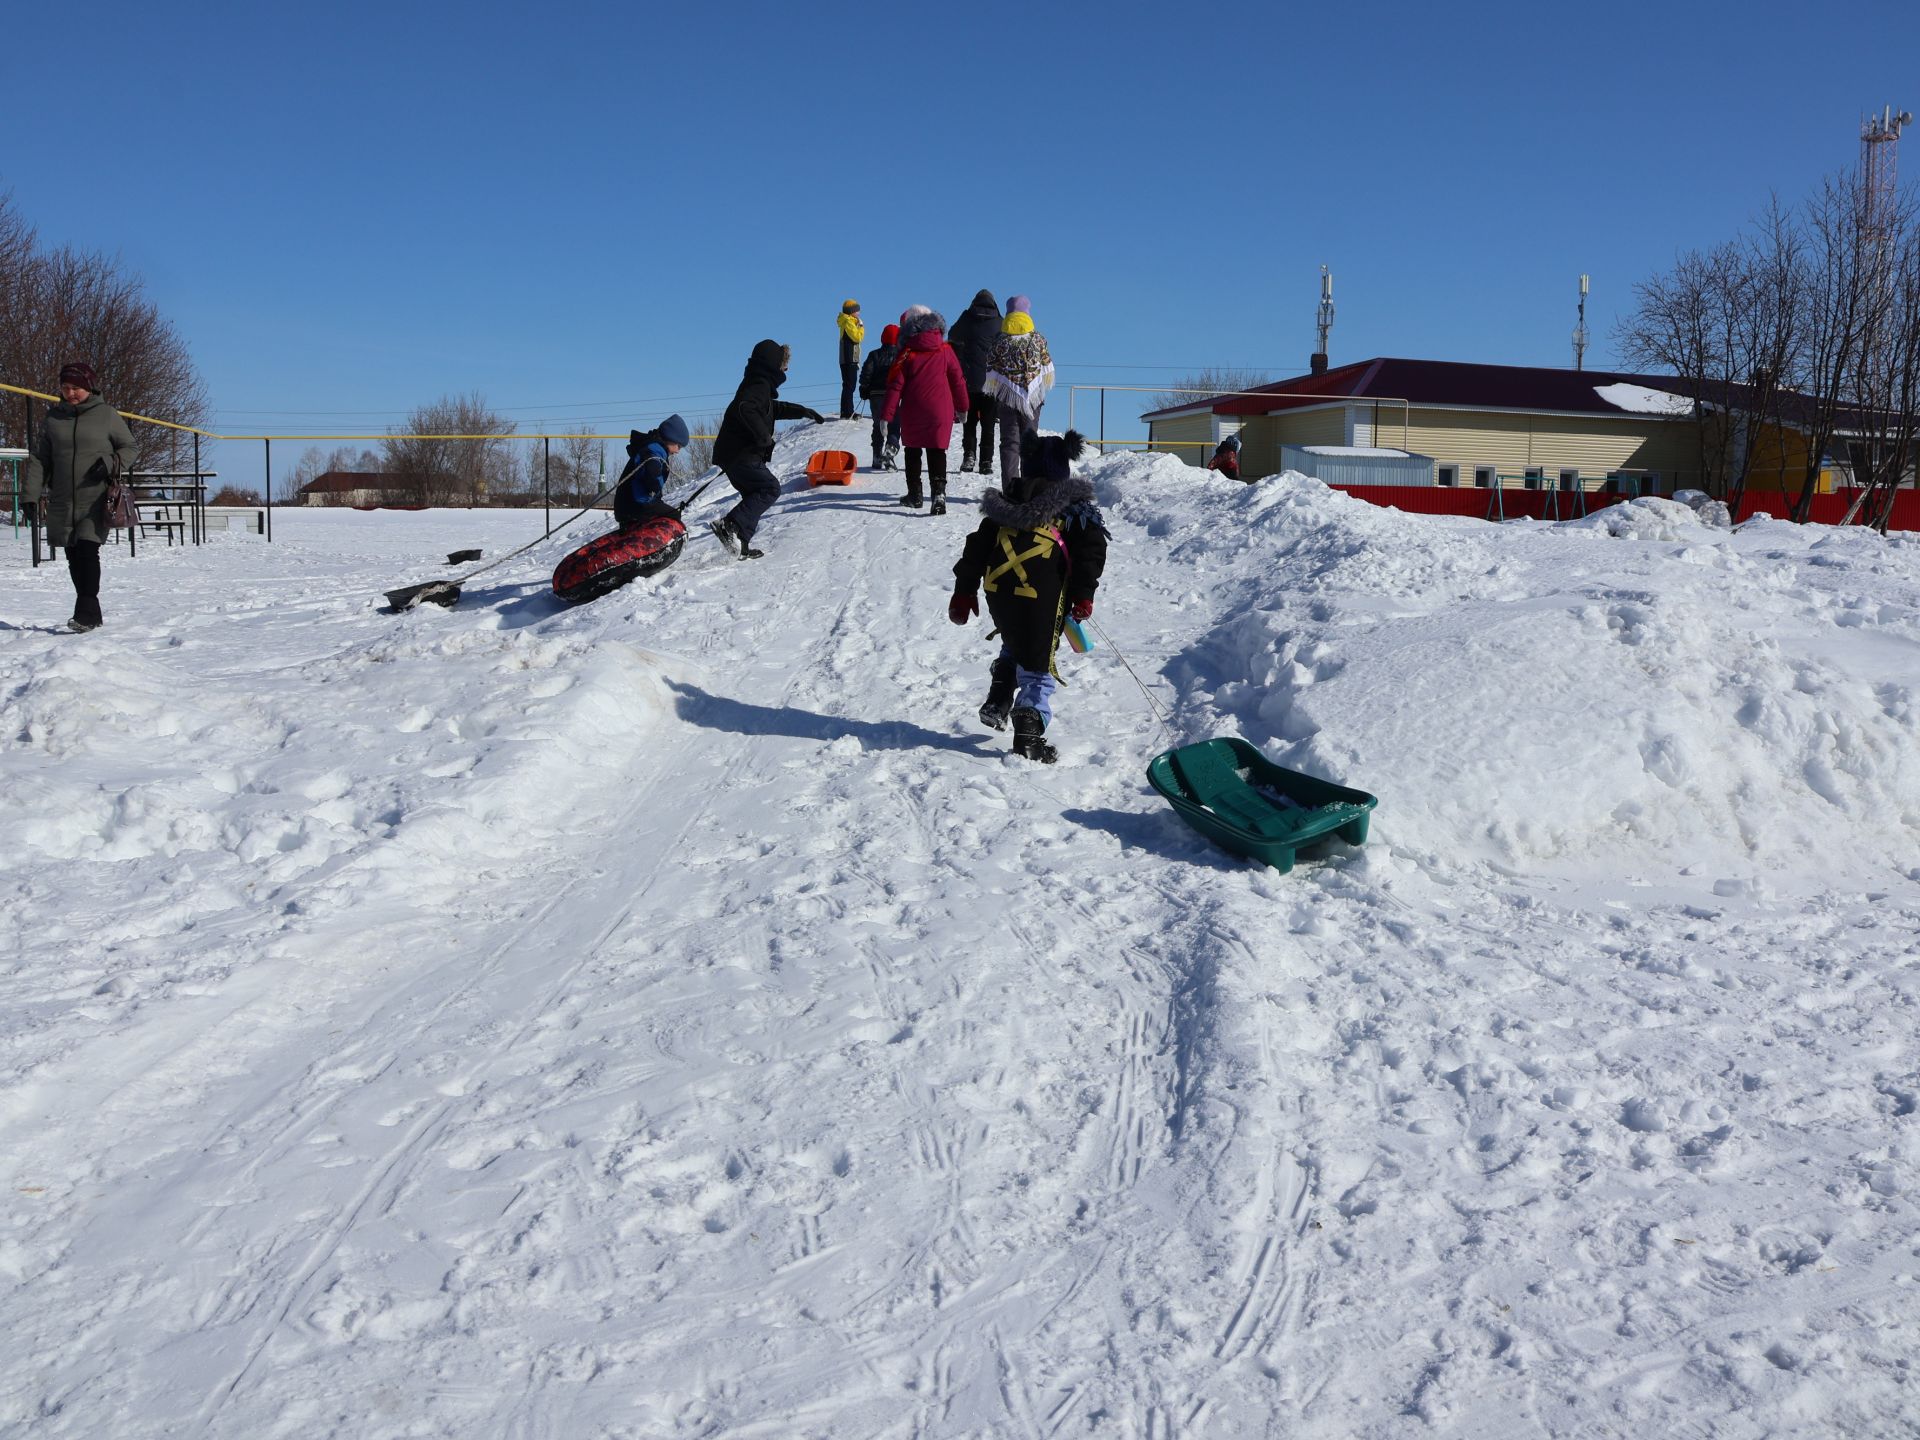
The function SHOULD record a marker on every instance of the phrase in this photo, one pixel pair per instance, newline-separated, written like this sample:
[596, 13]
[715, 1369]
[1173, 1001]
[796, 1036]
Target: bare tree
[1837, 301]
[1767, 335]
[1211, 380]
[1680, 325]
[1726, 325]
[1886, 384]
[453, 451]
[572, 474]
[315, 462]
[694, 461]
[66, 304]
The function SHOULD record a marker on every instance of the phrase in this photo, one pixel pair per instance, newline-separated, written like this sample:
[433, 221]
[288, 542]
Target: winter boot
[879, 460]
[731, 538]
[1028, 727]
[914, 499]
[999, 701]
[939, 506]
[966, 459]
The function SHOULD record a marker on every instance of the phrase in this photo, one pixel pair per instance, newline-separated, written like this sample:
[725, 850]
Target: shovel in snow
[447, 592]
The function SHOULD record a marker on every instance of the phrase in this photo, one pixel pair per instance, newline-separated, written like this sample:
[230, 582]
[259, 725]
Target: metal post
[199, 497]
[1103, 419]
[546, 475]
[269, 445]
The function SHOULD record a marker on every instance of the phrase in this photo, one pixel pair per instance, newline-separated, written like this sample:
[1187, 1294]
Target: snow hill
[676, 1017]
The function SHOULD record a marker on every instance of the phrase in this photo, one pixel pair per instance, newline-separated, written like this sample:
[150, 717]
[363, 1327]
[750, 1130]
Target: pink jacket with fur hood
[926, 390]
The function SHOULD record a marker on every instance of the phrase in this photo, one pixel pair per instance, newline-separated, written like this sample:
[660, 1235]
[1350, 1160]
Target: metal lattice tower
[1879, 159]
[1580, 329]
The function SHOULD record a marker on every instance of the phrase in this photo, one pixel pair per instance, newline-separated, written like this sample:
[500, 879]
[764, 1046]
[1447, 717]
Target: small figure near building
[1226, 457]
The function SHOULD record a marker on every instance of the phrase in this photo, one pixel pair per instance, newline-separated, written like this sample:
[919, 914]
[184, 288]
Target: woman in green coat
[83, 446]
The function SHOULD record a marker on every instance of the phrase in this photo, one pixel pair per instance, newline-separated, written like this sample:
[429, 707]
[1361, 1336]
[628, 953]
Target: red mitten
[963, 606]
[1081, 610]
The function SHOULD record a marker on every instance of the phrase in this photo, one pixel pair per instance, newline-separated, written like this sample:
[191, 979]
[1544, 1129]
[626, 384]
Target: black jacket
[973, 336]
[874, 370]
[1035, 557]
[746, 430]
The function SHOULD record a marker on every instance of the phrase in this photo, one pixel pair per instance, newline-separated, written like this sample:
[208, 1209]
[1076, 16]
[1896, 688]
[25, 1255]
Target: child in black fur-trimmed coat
[1039, 552]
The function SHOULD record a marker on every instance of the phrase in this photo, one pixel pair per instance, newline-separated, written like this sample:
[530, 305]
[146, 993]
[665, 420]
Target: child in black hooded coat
[1040, 553]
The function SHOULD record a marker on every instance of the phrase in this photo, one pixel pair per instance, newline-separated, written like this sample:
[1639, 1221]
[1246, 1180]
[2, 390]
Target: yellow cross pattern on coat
[1017, 561]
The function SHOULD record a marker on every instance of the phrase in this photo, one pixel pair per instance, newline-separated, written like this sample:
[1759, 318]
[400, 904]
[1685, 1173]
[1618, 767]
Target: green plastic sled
[1236, 797]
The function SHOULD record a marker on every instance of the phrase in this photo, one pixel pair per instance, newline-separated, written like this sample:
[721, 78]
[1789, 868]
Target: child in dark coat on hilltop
[641, 494]
[1040, 552]
[873, 389]
[745, 444]
[925, 391]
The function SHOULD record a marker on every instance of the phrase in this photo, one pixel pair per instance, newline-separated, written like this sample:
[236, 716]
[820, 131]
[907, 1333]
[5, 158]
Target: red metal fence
[1566, 505]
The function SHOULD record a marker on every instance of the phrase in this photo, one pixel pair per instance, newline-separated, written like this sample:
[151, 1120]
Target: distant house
[1483, 425]
[354, 487]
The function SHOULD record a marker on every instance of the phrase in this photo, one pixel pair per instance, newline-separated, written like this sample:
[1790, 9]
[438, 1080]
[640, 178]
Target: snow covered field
[676, 1017]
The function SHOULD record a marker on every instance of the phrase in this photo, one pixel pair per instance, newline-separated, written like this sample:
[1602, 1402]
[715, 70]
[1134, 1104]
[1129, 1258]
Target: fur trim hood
[1047, 501]
[919, 320]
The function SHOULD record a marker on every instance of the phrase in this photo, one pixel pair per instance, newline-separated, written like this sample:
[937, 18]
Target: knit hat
[79, 373]
[890, 335]
[1050, 457]
[1020, 303]
[851, 307]
[673, 430]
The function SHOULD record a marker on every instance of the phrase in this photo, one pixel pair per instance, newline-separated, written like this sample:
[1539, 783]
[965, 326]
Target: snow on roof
[1642, 401]
[1362, 451]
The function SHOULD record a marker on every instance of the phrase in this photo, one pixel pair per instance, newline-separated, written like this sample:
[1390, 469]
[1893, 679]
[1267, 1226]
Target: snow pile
[1642, 401]
[1703, 714]
[1644, 517]
[675, 1016]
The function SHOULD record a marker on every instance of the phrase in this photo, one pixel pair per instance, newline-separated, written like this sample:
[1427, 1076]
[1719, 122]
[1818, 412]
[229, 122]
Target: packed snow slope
[677, 1017]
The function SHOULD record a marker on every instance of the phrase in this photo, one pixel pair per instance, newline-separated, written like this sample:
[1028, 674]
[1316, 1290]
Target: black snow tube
[606, 563]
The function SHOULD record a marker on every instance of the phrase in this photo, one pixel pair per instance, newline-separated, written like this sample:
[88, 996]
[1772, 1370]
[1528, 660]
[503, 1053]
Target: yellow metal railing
[383, 435]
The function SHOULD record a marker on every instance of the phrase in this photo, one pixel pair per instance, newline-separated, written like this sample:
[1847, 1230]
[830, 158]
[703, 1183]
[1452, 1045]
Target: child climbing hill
[1039, 552]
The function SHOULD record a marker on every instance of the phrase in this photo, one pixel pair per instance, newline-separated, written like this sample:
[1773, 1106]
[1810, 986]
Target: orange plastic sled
[830, 467]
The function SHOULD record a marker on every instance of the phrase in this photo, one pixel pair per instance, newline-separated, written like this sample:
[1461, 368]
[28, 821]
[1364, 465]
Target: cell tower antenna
[1879, 159]
[1580, 329]
[1325, 320]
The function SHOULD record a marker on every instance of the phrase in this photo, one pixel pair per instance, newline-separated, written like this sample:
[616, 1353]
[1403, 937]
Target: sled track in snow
[452, 982]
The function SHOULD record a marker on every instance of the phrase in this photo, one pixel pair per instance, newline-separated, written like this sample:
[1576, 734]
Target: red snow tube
[610, 561]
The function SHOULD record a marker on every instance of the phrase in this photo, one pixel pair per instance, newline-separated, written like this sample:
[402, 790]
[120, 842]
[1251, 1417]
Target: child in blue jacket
[641, 494]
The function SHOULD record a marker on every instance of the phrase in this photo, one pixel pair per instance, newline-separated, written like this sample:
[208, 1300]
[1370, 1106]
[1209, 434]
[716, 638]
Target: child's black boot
[1028, 728]
[999, 701]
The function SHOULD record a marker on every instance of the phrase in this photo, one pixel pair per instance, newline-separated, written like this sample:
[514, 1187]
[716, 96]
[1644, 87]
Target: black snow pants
[758, 490]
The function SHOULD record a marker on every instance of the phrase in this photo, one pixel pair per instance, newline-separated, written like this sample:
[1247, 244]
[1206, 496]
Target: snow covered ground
[676, 1017]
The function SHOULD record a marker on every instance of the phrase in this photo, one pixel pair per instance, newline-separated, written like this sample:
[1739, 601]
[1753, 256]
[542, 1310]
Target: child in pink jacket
[925, 391]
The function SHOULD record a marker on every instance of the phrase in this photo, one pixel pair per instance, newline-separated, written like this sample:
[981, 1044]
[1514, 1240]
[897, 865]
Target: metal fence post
[1103, 419]
[546, 476]
[269, 445]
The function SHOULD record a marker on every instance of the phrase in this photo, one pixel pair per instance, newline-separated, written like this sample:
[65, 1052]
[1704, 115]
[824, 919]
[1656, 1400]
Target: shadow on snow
[717, 712]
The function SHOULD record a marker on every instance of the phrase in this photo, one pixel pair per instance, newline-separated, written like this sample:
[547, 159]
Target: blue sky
[351, 209]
